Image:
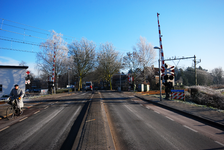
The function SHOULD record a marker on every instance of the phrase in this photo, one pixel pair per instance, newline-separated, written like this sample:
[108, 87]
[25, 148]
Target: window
[0, 87]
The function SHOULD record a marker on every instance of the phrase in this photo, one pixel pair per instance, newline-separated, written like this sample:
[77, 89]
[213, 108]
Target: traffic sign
[28, 72]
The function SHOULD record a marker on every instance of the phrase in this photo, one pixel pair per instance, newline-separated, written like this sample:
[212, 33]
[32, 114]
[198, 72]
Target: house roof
[156, 71]
[7, 66]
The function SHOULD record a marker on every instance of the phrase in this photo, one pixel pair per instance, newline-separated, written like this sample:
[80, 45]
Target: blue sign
[177, 90]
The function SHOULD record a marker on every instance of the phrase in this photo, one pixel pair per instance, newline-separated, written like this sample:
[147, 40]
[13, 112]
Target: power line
[17, 50]
[23, 24]
[25, 29]
[18, 41]
[32, 31]
[33, 27]
[23, 42]
[22, 34]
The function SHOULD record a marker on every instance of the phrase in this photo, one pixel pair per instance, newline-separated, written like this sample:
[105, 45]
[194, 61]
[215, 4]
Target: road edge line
[4, 128]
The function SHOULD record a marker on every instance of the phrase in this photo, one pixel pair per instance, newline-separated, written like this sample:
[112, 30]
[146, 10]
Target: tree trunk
[80, 84]
[110, 85]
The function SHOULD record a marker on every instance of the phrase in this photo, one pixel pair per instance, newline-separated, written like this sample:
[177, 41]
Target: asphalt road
[135, 126]
[47, 125]
[105, 120]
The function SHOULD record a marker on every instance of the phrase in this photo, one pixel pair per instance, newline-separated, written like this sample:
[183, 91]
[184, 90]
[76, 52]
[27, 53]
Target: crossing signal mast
[167, 72]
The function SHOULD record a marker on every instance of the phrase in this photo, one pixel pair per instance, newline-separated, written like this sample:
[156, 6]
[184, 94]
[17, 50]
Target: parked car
[4, 97]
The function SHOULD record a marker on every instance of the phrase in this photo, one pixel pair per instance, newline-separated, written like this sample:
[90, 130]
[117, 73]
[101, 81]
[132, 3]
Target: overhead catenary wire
[64, 36]
[25, 42]
[18, 41]
[12, 49]
[33, 27]
[25, 29]
[29, 35]
[22, 34]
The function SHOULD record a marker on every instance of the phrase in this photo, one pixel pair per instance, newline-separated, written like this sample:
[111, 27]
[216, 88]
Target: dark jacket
[17, 93]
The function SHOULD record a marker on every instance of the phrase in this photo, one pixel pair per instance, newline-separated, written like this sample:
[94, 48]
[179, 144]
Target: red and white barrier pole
[161, 48]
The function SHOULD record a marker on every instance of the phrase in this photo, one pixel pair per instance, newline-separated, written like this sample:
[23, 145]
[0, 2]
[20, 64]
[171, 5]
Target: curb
[187, 114]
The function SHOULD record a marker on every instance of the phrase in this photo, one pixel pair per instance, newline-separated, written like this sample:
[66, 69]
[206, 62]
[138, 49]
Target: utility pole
[195, 70]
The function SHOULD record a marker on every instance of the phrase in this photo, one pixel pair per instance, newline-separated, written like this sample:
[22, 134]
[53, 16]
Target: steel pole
[68, 80]
[160, 88]
[195, 70]
[120, 81]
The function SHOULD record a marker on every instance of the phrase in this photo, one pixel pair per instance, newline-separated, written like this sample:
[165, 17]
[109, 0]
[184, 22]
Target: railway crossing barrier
[177, 94]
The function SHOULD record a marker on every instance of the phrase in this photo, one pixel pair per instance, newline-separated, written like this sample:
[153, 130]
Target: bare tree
[45, 57]
[109, 62]
[146, 53]
[217, 74]
[131, 62]
[146, 56]
[83, 57]
[22, 63]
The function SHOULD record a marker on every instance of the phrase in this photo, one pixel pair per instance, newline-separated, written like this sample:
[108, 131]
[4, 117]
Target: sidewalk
[198, 111]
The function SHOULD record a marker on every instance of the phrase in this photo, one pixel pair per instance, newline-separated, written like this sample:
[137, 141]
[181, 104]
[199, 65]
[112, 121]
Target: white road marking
[30, 131]
[23, 119]
[150, 126]
[169, 118]
[190, 128]
[219, 143]
[157, 112]
[4, 128]
[46, 107]
[37, 112]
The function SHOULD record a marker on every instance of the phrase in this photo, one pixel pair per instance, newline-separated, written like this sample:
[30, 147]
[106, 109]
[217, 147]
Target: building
[120, 80]
[11, 75]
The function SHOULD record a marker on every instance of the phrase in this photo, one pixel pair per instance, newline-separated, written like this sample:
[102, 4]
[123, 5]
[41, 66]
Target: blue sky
[188, 27]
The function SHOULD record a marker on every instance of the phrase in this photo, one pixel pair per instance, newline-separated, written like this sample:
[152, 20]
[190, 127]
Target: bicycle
[13, 110]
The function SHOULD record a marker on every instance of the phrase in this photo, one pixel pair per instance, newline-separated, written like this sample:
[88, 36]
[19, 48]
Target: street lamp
[160, 89]
[68, 79]
[120, 82]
